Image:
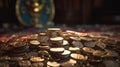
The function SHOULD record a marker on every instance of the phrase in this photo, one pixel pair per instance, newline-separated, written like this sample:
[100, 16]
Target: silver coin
[77, 44]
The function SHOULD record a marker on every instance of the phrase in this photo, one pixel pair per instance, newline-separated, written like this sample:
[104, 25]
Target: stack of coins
[44, 41]
[44, 54]
[19, 48]
[34, 37]
[37, 61]
[43, 37]
[34, 44]
[58, 46]
[56, 42]
[54, 32]
[56, 53]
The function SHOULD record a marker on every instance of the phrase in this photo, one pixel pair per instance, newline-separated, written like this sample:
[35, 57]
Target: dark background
[71, 12]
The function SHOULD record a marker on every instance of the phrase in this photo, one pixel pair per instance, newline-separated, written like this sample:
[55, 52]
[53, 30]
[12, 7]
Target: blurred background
[71, 12]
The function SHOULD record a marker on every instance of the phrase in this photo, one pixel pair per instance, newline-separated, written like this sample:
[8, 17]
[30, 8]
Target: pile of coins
[56, 48]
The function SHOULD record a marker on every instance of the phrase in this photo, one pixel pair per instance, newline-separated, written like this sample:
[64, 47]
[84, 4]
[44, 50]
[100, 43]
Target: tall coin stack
[57, 49]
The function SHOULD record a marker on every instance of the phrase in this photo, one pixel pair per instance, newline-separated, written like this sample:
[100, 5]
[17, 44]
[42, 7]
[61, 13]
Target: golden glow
[36, 4]
[36, 9]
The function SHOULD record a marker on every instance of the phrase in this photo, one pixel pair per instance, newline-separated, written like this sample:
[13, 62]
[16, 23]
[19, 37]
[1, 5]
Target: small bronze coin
[88, 49]
[99, 53]
[34, 42]
[53, 64]
[36, 59]
[78, 56]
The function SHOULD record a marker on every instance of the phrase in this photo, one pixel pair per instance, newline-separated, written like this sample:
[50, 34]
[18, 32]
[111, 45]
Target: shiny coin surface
[44, 47]
[78, 56]
[75, 38]
[56, 39]
[36, 59]
[66, 52]
[74, 48]
[88, 49]
[65, 42]
[54, 29]
[34, 42]
[53, 64]
[57, 49]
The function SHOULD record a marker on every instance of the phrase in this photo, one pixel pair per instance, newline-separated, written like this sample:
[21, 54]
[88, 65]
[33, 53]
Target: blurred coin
[78, 56]
[98, 53]
[89, 44]
[88, 49]
[36, 59]
[77, 44]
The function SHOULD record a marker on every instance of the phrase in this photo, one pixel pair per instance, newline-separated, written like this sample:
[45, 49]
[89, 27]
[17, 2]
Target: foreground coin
[53, 64]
